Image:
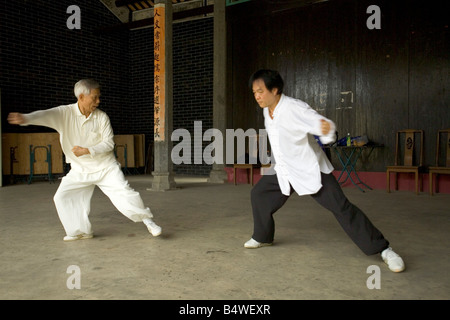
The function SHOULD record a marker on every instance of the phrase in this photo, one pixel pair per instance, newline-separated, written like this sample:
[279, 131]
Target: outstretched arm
[51, 118]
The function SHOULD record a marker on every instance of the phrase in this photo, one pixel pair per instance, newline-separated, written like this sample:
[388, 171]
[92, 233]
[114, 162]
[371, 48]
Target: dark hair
[271, 78]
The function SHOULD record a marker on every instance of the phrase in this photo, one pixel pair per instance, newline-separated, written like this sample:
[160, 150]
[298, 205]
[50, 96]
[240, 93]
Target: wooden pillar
[163, 101]
[218, 173]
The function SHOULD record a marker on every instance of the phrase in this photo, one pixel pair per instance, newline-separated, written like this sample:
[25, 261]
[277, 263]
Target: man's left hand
[80, 151]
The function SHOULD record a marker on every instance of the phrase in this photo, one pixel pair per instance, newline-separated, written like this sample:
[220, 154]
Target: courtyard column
[218, 173]
[163, 177]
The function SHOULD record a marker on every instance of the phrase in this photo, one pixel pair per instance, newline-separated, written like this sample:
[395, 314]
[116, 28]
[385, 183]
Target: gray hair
[85, 86]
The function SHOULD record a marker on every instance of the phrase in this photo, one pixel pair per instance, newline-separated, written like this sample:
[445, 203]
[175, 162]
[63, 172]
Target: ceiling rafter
[135, 5]
[146, 22]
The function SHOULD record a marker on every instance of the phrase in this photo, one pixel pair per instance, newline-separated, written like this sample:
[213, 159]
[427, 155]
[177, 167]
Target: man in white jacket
[86, 138]
[301, 166]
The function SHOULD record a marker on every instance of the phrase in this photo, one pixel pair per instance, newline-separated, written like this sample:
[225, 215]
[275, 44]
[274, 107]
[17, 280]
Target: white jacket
[94, 133]
[299, 159]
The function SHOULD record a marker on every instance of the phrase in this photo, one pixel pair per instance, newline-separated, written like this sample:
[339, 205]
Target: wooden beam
[160, 80]
[145, 5]
[149, 21]
[122, 3]
[193, 12]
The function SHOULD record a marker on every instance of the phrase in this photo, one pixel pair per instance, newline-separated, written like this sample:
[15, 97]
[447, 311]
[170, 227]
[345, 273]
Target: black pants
[267, 198]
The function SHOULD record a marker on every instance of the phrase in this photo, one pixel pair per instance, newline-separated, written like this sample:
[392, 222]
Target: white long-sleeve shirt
[299, 159]
[94, 133]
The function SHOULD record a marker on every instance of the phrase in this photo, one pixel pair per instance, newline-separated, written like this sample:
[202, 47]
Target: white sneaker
[78, 237]
[152, 227]
[253, 244]
[393, 260]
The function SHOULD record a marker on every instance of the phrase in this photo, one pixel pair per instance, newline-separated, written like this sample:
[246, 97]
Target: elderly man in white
[301, 166]
[86, 138]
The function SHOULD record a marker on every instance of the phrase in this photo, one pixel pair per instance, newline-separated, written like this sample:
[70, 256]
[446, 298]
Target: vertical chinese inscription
[159, 80]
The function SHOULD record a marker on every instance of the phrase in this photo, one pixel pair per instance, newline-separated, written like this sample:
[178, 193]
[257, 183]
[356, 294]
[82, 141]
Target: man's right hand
[16, 118]
[325, 127]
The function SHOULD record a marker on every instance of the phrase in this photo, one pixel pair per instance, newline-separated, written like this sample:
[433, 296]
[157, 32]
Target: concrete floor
[200, 255]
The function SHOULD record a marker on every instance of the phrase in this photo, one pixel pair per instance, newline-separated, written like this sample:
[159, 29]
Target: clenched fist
[80, 151]
[325, 126]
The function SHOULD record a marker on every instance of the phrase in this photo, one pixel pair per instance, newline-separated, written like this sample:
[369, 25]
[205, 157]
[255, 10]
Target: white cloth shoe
[253, 244]
[393, 260]
[152, 227]
[78, 237]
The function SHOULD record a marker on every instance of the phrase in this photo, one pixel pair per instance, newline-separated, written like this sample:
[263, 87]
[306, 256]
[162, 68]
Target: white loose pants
[73, 198]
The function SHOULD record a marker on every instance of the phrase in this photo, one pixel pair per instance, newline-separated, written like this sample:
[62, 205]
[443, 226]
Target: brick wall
[192, 81]
[41, 59]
